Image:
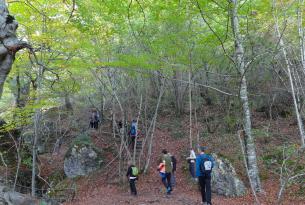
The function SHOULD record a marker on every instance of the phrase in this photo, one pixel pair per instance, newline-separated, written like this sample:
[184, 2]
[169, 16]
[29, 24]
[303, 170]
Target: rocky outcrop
[81, 159]
[16, 198]
[224, 179]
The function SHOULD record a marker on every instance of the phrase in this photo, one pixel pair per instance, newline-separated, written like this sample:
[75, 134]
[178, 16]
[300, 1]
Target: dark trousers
[167, 182]
[132, 141]
[192, 169]
[133, 189]
[205, 188]
[94, 124]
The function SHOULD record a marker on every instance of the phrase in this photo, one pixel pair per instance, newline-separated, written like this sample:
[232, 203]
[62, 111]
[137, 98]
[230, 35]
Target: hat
[203, 148]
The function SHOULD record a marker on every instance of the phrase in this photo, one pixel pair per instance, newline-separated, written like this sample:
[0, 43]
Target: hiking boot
[168, 190]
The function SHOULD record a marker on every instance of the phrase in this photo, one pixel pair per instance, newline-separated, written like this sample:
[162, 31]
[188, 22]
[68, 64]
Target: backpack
[174, 161]
[134, 171]
[168, 163]
[206, 166]
[133, 131]
[96, 117]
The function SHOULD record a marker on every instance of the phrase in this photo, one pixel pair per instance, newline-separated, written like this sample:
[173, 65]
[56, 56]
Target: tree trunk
[9, 44]
[34, 150]
[287, 63]
[22, 92]
[68, 104]
[178, 91]
[190, 102]
[153, 126]
[301, 33]
[240, 64]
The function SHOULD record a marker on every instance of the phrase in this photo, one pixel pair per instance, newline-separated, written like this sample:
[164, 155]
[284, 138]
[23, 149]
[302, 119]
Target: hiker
[174, 165]
[132, 175]
[191, 161]
[161, 169]
[166, 158]
[133, 132]
[120, 128]
[94, 119]
[204, 166]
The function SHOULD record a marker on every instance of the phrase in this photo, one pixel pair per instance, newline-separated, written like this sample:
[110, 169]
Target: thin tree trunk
[34, 150]
[17, 146]
[178, 92]
[289, 73]
[246, 166]
[190, 102]
[153, 127]
[240, 63]
[301, 32]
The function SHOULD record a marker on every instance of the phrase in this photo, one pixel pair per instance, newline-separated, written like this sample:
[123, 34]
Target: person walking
[133, 132]
[94, 119]
[132, 175]
[191, 161]
[204, 166]
[166, 158]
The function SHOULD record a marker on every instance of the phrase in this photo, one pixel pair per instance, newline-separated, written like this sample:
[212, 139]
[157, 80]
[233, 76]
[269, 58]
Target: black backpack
[174, 161]
[206, 167]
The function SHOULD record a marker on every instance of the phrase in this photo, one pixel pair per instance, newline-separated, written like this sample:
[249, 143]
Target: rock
[81, 159]
[224, 179]
[16, 198]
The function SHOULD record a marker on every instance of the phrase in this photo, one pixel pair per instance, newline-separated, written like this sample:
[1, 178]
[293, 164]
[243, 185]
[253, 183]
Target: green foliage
[230, 122]
[83, 139]
[64, 190]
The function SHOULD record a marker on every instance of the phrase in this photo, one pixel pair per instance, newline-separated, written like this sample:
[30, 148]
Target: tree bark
[178, 91]
[153, 126]
[240, 64]
[301, 33]
[289, 73]
[9, 44]
[190, 104]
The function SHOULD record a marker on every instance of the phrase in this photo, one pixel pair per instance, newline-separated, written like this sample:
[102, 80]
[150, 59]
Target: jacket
[199, 158]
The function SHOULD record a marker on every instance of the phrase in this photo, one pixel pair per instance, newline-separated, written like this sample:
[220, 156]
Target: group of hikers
[94, 119]
[133, 132]
[200, 167]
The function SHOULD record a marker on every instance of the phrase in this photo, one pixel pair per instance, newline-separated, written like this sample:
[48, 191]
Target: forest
[90, 87]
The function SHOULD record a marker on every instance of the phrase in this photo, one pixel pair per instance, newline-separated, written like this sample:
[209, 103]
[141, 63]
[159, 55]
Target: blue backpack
[133, 131]
[206, 166]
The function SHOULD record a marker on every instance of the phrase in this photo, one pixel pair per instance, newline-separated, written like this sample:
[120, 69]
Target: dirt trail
[150, 190]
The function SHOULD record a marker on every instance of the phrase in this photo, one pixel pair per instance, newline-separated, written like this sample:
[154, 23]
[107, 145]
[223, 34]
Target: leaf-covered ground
[96, 190]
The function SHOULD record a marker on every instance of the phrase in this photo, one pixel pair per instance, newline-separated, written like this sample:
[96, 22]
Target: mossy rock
[82, 158]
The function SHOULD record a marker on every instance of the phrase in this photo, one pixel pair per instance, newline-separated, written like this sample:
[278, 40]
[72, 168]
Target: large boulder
[82, 158]
[224, 179]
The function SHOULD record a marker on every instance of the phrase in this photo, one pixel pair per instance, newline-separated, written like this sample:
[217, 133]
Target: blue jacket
[199, 158]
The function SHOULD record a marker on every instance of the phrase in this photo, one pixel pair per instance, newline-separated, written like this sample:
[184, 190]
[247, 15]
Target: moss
[81, 141]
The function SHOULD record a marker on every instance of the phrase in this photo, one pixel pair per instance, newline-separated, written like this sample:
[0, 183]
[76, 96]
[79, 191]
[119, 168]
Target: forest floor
[95, 190]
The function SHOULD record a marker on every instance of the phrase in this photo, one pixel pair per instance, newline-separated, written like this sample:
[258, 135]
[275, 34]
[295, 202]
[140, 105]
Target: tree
[9, 45]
